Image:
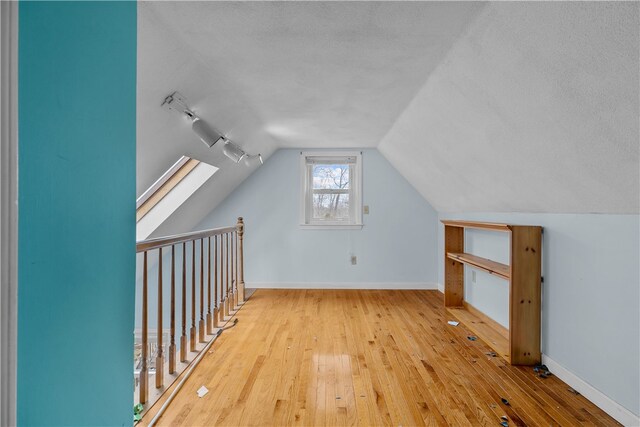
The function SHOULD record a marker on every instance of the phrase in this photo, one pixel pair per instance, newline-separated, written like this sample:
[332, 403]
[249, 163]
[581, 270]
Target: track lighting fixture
[207, 134]
[253, 160]
[232, 151]
[238, 155]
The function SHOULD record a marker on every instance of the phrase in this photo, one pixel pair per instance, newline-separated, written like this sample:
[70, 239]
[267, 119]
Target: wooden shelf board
[494, 335]
[492, 267]
[475, 224]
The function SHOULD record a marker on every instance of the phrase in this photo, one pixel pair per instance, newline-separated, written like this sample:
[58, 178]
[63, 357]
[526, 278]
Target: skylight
[168, 193]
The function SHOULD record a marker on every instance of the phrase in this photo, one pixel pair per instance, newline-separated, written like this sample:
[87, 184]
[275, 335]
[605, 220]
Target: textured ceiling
[481, 106]
[280, 74]
[534, 109]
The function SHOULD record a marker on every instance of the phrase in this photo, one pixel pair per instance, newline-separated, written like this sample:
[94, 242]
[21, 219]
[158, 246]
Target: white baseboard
[614, 409]
[441, 288]
[345, 285]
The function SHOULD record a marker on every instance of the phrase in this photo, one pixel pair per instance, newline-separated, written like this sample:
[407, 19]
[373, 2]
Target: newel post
[240, 227]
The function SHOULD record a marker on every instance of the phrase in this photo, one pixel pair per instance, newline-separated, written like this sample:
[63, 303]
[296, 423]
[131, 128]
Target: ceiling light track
[207, 134]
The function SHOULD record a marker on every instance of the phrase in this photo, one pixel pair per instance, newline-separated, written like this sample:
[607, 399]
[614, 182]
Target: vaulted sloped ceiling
[280, 74]
[481, 106]
[534, 109]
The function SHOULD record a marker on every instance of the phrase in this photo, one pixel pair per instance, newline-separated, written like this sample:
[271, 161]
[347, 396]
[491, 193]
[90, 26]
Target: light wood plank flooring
[347, 357]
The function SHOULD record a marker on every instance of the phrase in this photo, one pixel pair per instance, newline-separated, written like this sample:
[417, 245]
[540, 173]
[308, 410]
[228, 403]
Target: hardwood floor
[347, 357]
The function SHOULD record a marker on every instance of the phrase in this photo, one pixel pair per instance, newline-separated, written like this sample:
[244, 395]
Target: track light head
[233, 152]
[206, 134]
[253, 160]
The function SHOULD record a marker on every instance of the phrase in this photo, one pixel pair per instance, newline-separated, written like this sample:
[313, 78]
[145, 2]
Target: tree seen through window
[330, 191]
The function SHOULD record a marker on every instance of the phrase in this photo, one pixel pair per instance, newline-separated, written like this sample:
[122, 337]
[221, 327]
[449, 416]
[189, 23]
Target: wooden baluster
[172, 345]
[183, 337]
[221, 265]
[222, 287]
[209, 319]
[144, 372]
[222, 301]
[201, 323]
[235, 253]
[241, 295]
[160, 355]
[216, 313]
[235, 270]
[232, 294]
[192, 334]
[237, 274]
[226, 263]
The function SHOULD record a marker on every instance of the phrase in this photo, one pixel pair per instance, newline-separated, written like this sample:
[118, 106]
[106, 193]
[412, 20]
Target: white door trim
[8, 210]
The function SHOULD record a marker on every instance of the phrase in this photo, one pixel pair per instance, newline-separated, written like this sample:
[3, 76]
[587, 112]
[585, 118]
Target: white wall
[591, 292]
[396, 246]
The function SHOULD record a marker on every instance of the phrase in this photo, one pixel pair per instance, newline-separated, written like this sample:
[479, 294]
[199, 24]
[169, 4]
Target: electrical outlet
[366, 209]
[473, 276]
[354, 260]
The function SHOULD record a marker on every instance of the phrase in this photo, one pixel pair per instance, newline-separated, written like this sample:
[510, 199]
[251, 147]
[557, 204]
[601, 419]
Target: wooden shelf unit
[520, 344]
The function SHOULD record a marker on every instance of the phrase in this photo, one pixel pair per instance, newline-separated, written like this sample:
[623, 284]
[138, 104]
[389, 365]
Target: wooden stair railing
[221, 250]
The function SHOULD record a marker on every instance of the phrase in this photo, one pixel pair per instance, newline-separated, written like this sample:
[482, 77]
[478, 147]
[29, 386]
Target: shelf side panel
[524, 309]
[453, 270]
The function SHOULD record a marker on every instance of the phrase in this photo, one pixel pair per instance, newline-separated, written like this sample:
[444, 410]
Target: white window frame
[355, 193]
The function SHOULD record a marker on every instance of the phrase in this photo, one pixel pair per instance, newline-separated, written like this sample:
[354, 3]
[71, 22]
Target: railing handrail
[223, 250]
[160, 242]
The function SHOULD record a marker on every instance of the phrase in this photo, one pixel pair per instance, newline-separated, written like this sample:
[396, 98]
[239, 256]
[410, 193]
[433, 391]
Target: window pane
[331, 207]
[330, 176]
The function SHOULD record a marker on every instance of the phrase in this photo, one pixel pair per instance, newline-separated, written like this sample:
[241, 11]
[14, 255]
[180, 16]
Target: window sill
[331, 226]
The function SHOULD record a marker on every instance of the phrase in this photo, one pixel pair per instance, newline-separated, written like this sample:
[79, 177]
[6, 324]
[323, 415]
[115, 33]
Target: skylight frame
[162, 180]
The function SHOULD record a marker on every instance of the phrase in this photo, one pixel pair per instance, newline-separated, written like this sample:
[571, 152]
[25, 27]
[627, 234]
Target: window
[168, 193]
[331, 190]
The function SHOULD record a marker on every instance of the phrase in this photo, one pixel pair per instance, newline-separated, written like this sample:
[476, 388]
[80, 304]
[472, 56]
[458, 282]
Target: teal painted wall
[77, 160]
